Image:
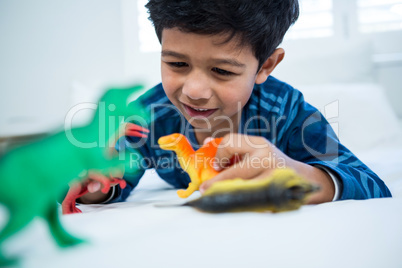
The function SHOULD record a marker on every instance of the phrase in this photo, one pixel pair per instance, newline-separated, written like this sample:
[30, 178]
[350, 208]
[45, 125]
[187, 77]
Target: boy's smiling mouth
[199, 112]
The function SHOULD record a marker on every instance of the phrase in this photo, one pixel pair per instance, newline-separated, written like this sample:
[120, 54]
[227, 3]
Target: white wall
[141, 66]
[46, 47]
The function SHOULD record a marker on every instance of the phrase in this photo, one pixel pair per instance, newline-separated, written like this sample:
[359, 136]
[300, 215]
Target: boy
[216, 61]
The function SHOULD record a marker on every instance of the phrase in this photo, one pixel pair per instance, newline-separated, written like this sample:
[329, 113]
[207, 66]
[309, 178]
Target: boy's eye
[221, 71]
[178, 64]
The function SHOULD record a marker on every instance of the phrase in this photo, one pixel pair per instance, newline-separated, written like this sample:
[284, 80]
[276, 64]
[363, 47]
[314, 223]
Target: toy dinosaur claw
[106, 184]
[135, 130]
[75, 192]
[122, 183]
[104, 180]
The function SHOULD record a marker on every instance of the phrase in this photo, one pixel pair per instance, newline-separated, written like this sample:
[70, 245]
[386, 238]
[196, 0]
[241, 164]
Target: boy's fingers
[236, 146]
[230, 147]
[208, 139]
[239, 170]
[94, 186]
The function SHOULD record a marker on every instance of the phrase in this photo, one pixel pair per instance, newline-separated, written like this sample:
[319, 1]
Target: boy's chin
[217, 129]
[200, 124]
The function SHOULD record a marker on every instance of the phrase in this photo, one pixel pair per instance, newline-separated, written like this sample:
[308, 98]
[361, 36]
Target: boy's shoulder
[273, 86]
[275, 96]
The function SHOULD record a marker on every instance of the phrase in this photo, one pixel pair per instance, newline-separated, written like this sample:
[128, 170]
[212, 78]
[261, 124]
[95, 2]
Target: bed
[352, 233]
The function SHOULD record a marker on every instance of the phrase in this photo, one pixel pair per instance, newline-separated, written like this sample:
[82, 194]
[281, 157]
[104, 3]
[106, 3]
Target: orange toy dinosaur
[198, 164]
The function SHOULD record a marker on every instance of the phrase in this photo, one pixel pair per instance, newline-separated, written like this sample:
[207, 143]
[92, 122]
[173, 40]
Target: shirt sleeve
[132, 175]
[335, 180]
[309, 138]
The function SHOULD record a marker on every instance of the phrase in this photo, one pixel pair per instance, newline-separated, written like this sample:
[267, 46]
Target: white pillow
[360, 113]
[340, 62]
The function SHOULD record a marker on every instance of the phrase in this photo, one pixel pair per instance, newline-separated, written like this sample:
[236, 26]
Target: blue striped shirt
[275, 111]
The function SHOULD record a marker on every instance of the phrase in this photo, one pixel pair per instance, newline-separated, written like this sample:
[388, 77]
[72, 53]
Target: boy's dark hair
[259, 23]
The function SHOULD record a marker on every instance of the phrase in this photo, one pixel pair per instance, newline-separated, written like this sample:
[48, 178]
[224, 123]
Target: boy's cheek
[170, 85]
[169, 90]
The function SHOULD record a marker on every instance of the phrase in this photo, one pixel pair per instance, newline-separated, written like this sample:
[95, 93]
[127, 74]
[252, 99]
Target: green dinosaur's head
[114, 109]
[96, 142]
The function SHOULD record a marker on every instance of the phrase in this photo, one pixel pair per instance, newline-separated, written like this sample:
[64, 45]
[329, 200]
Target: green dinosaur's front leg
[62, 237]
[18, 219]
[7, 262]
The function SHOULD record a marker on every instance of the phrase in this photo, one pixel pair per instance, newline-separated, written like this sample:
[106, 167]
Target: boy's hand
[95, 184]
[253, 157]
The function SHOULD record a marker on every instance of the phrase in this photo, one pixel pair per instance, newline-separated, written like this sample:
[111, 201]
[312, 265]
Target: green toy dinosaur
[34, 176]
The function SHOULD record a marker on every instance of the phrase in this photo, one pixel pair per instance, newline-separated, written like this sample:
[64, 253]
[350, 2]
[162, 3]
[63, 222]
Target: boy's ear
[269, 65]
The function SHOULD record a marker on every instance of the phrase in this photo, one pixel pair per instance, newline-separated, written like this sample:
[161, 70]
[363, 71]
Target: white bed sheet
[137, 234]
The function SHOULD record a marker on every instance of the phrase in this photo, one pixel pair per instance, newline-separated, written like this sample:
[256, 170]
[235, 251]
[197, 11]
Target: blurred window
[379, 15]
[316, 20]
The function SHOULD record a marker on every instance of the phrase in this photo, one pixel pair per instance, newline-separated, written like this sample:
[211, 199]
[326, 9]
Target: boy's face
[208, 80]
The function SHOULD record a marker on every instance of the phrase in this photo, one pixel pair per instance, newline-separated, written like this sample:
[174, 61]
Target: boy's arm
[95, 196]
[311, 140]
[258, 158]
[307, 143]
[337, 183]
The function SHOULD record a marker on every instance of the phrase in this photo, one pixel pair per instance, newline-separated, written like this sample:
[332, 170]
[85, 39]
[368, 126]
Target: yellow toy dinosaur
[198, 164]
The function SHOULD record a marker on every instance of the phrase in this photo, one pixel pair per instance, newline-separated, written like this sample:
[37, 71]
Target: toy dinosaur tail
[283, 191]
[7, 262]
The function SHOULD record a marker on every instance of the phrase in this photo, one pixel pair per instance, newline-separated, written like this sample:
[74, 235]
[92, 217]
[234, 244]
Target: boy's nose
[197, 87]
